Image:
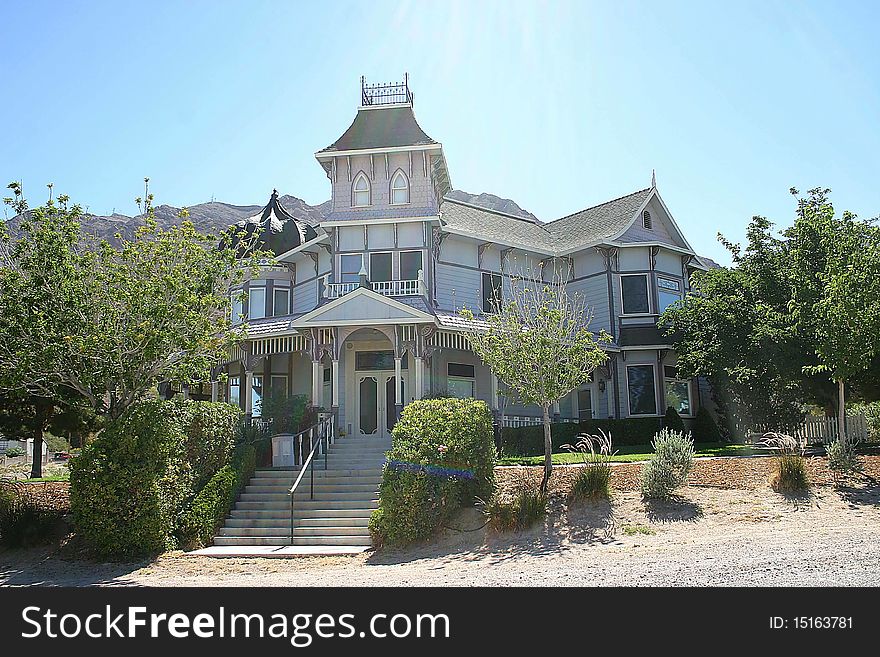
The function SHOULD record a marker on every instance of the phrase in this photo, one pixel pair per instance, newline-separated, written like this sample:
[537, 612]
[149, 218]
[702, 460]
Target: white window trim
[421, 253]
[391, 188]
[651, 310]
[483, 275]
[277, 288]
[361, 176]
[463, 379]
[653, 367]
[236, 309]
[670, 279]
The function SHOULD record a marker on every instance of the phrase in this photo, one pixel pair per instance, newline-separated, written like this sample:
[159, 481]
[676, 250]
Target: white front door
[376, 408]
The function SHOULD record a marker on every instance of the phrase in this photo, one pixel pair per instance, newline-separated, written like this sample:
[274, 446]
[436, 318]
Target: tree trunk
[841, 411]
[43, 412]
[548, 450]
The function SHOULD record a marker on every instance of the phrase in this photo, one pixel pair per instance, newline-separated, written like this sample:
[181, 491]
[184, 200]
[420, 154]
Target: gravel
[706, 537]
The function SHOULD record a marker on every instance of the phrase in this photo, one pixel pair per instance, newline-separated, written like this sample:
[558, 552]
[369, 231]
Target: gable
[362, 306]
[663, 229]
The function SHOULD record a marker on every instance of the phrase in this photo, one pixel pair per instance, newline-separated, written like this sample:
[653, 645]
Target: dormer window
[646, 220]
[361, 191]
[399, 188]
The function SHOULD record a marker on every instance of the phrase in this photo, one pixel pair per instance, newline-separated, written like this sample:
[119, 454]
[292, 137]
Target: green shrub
[672, 420]
[130, 485]
[285, 411]
[669, 465]
[705, 428]
[442, 456]
[13, 452]
[871, 411]
[23, 522]
[524, 509]
[843, 459]
[529, 441]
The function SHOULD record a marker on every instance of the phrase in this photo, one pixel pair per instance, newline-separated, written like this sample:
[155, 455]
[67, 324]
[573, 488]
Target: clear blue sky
[556, 105]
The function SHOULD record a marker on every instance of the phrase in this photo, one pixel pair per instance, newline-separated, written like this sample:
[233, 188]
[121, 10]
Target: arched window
[399, 188]
[361, 191]
[646, 219]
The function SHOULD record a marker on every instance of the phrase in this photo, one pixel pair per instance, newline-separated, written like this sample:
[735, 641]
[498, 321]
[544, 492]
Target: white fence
[529, 420]
[823, 429]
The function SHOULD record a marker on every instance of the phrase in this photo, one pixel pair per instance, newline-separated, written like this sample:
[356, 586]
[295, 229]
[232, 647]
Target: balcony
[409, 288]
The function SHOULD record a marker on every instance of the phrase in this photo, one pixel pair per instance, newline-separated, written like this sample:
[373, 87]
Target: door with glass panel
[375, 393]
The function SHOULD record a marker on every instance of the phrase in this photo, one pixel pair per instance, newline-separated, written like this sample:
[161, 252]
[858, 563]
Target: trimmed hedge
[200, 520]
[128, 487]
[529, 441]
[442, 457]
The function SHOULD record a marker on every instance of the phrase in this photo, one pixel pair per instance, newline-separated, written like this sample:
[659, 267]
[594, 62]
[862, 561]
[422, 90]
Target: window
[350, 267]
[237, 307]
[399, 188]
[640, 384]
[646, 220]
[278, 384]
[257, 396]
[668, 292]
[281, 301]
[380, 267]
[585, 404]
[377, 360]
[257, 303]
[361, 191]
[491, 292]
[460, 380]
[235, 390]
[410, 265]
[635, 294]
[678, 391]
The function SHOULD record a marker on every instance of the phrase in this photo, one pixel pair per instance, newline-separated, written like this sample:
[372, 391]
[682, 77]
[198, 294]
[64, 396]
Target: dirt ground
[726, 528]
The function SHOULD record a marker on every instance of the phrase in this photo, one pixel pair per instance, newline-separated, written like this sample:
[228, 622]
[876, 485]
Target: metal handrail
[324, 429]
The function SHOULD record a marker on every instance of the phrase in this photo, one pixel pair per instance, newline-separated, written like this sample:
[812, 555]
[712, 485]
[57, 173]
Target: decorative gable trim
[408, 314]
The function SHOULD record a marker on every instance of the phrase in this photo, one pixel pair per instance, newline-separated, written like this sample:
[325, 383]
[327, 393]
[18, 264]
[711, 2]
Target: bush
[871, 412]
[129, 486]
[672, 420]
[442, 456]
[285, 411]
[669, 465]
[843, 459]
[23, 522]
[529, 441]
[705, 428]
[527, 507]
[13, 452]
[790, 471]
[200, 520]
[592, 481]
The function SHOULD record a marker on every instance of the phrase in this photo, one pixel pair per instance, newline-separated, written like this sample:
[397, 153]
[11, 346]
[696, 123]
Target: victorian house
[361, 314]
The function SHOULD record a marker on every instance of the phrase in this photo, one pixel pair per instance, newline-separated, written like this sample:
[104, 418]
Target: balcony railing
[407, 288]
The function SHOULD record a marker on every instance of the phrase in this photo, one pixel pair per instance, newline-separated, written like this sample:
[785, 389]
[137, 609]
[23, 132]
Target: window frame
[355, 191]
[237, 307]
[589, 390]
[399, 174]
[390, 255]
[661, 289]
[623, 311]
[653, 367]
[492, 275]
[400, 264]
[342, 272]
[251, 291]
[466, 380]
[275, 290]
[676, 379]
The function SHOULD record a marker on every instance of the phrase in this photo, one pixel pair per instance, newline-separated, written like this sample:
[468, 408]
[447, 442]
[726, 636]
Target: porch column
[248, 394]
[494, 391]
[317, 383]
[215, 390]
[398, 401]
[419, 377]
[335, 384]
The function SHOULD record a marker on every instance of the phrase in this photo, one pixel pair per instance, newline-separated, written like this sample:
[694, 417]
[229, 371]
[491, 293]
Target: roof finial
[653, 179]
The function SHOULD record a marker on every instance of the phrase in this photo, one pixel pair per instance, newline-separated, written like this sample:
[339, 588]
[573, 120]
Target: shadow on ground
[674, 509]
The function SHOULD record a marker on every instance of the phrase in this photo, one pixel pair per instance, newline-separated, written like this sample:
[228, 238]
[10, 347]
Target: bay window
[641, 390]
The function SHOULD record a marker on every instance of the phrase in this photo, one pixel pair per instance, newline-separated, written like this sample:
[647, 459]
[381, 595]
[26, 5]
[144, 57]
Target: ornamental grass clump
[790, 468]
[669, 465]
[526, 507]
[593, 480]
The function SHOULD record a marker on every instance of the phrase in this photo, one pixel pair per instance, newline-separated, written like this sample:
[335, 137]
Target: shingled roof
[381, 127]
[281, 231]
[600, 222]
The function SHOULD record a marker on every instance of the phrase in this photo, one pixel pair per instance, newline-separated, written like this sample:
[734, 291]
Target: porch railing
[321, 437]
[386, 288]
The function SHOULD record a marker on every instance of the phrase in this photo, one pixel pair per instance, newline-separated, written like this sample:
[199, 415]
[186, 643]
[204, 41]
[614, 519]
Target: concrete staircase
[345, 495]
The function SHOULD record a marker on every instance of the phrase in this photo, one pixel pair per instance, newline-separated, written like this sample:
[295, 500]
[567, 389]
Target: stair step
[284, 505]
[303, 493]
[342, 487]
[298, 512]
[284, 523]
[299, 540]
[321, 472]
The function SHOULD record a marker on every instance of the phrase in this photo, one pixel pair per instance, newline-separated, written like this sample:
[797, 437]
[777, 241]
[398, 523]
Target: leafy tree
[539, 344]
[110, 322]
